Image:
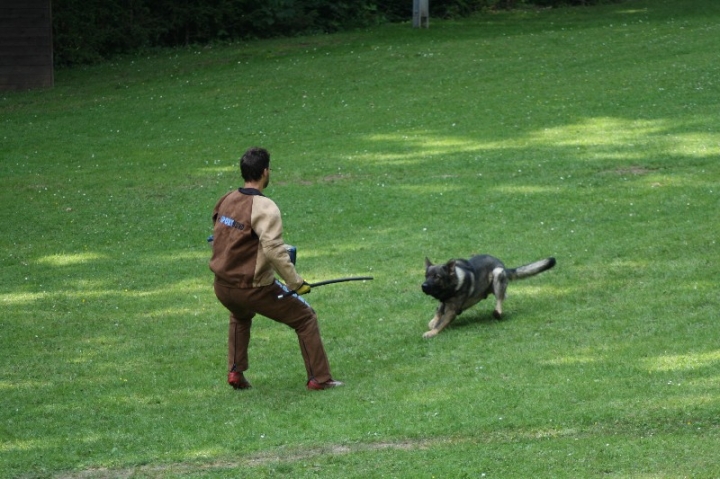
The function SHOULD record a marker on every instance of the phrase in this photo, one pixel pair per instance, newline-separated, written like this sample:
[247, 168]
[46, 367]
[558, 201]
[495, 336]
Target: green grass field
[588, 134]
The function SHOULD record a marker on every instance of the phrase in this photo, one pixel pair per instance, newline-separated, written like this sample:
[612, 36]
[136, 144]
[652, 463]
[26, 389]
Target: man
[248, 249]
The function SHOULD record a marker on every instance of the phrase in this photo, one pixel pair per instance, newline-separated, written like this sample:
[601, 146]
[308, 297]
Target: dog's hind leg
[500, 282]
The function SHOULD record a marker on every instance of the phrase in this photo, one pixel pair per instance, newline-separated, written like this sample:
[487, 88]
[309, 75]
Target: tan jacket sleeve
[267, 223]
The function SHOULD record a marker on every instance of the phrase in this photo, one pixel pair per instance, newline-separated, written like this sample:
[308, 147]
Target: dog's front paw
[430, 334]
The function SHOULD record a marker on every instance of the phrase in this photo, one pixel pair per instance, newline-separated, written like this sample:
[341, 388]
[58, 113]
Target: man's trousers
[244, 304]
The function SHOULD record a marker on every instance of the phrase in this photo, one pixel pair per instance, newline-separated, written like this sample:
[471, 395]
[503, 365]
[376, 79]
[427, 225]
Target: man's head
[253, 165]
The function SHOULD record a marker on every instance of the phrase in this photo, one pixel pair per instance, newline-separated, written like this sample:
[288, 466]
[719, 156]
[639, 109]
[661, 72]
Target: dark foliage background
[87, 31]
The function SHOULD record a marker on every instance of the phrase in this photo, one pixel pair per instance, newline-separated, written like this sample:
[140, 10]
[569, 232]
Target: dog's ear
[427, 263]
[450, 267]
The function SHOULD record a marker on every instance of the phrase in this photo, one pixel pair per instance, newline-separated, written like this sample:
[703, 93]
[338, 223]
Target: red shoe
[314, 385]
[237, 380]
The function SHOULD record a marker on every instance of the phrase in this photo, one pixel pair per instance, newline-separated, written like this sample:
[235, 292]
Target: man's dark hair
[253, 162]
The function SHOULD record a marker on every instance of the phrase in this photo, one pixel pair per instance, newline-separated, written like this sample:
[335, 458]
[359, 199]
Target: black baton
[329, 281]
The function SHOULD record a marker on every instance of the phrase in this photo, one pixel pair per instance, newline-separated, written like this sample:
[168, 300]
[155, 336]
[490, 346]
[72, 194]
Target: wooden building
[26, 49]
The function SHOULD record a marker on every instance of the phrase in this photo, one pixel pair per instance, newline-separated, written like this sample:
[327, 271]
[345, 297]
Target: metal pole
[421, 13]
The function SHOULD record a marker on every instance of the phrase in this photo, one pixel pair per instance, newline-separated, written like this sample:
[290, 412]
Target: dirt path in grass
[279, 456]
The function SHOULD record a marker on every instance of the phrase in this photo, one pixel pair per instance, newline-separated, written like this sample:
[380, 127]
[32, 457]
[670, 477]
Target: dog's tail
[531, 269]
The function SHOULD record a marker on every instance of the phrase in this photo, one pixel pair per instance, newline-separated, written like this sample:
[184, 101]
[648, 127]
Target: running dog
[460, 284]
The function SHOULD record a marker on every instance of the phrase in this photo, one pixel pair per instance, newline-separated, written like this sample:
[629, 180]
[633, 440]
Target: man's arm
[267, 222]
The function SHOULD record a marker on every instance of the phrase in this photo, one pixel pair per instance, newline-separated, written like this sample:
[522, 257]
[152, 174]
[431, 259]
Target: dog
[460, 284]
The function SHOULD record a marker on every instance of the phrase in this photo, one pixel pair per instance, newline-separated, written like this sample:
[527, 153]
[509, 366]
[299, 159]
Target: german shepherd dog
[460, 284]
